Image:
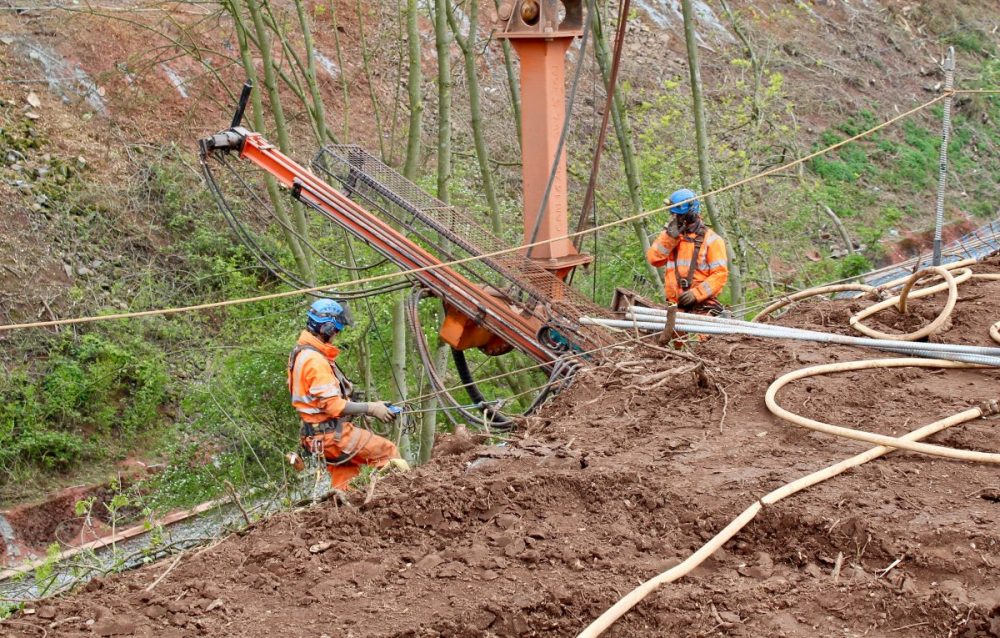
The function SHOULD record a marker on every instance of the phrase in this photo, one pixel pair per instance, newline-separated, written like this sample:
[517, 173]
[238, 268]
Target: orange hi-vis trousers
[347, 453]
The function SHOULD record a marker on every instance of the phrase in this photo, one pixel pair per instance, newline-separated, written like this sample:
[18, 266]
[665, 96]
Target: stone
[47, 612]
[429, 561]
[154, 611]
[114, 628]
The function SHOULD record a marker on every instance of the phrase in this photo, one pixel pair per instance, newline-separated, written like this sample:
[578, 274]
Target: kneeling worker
[321, 396]
[694, 257]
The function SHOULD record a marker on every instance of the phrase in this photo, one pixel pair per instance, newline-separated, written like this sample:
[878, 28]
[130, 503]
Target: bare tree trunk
[513, 83]
[343, 71]
[274, 194]
[428, 427]
[398, 366]
[624, 134]
[468, 47]
[701, 135]
[316, 110]
[441, 41]
[366, 62]
[280, 123]
[413, 83]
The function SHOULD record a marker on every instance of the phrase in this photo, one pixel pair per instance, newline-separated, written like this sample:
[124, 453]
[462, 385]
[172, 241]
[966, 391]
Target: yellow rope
[506, 251]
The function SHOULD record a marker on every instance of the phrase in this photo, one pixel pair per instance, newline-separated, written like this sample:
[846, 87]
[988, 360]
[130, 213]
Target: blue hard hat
[680, 196]
[327, 311]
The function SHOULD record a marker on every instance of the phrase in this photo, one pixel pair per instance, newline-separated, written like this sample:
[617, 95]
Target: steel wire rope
[266, 259]
[288, 227]
[378, 335]
[617, 344]
[464, 260]
[608, 106]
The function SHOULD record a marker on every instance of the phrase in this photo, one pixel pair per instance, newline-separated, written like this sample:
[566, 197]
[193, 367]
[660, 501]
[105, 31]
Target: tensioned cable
[505, 251]
[266, 259]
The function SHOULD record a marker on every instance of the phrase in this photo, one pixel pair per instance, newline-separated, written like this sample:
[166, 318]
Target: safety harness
[684, 283]
[311, 430]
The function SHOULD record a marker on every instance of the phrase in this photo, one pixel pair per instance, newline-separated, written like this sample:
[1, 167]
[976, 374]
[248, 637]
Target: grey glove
[672, 228]
[687, 299]
[380, 410]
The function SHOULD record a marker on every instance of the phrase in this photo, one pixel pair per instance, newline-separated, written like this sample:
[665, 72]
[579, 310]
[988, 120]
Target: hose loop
[950, 283]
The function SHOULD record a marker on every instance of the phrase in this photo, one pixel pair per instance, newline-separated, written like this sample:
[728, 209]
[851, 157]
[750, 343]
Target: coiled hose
[885, 445]
[491, 418]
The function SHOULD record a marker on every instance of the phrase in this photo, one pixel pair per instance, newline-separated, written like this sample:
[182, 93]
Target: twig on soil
[725, 405]
[889, 568]
[916, 624]
[658, 379]
[370, 493]
[236, 500]
[156, 582]
[45, 632]
[677, 353]
[63, 621]
[836, 567]
[718, 618]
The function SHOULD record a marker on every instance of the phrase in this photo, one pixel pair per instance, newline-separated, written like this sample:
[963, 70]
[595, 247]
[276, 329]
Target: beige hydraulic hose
[895, 283]
[633, 598]
[861, 435]
[950, 283]
[812, 292]
[886, 443]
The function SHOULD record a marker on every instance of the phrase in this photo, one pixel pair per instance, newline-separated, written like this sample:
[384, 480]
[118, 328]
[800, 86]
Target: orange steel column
[543, 106]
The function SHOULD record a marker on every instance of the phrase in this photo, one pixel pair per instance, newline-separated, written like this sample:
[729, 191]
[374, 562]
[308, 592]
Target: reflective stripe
[711, 239]
[669, 265]
[660, 250]
[325, 391]
[718, 262]
[706, 287]
[309, 410]
[297, 399]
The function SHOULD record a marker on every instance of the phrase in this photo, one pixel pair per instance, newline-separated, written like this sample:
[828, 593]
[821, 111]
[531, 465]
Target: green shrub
[852, 266]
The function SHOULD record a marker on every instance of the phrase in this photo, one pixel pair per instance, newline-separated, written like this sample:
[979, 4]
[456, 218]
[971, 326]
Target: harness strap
[684, 283]
[296, 351]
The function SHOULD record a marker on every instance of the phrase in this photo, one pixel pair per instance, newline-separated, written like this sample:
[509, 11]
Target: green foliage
[852, 266]
[970, 40]
[88, 389]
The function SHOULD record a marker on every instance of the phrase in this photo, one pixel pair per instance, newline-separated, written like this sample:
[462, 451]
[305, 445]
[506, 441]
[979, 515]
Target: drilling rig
[496, 298]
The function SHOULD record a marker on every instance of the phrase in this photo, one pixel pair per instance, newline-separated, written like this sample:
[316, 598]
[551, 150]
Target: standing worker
[694, 257]
[321, 395]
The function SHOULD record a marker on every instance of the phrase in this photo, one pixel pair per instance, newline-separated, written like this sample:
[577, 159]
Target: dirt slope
[613, 484]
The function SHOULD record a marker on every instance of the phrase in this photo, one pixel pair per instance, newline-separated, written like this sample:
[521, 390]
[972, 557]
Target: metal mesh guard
[352, 166]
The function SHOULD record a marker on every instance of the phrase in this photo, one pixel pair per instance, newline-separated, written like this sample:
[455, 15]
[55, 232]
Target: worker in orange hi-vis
[693, 256]
[321, 395]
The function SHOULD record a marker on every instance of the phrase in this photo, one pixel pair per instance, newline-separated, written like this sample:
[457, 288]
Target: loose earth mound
[618, 479]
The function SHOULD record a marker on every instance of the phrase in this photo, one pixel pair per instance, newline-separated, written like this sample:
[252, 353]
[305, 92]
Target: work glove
[687, 299]
[672, 228]
[380, 410]
[399, 464]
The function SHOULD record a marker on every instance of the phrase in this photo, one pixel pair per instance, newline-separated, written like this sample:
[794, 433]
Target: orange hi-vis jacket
[319, 389]
[706, 277]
